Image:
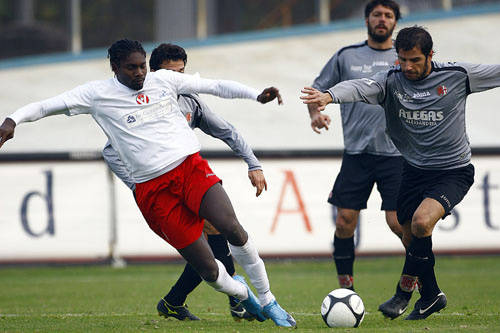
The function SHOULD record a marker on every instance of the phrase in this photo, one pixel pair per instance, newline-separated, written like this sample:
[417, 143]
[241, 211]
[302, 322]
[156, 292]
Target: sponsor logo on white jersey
[421, 118]
[147, 114]
[380, 63]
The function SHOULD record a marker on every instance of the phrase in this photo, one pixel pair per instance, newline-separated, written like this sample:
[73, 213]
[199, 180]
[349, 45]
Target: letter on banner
[290, 180]
[486, 187]
[50, 211]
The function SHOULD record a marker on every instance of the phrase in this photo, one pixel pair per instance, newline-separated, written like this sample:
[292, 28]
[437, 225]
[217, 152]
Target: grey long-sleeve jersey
[363, 124]
[425, 118]
[198, 115]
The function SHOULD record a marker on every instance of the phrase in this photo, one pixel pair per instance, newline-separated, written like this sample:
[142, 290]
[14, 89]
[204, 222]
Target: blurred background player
[424, 103]
[175, 187]
[198, 115]
[369, 156]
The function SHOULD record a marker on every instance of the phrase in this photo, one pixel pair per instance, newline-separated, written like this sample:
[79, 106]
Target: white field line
[20, 315]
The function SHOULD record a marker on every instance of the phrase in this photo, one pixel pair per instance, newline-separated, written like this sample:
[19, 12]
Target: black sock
[218, 244]
[430, 287]
[343, 255]
[406, 283]
[186, 283]
[420, 262]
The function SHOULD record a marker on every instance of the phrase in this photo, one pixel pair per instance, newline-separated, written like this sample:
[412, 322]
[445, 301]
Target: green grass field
[100, 298]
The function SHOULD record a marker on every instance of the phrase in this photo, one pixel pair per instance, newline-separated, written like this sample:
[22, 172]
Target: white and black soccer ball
[342, 308]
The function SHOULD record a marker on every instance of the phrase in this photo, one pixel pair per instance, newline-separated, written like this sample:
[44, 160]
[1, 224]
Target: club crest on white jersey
[142, 99]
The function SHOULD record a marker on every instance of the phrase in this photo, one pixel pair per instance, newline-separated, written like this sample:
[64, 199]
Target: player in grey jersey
[198, 115]
[424, 103]
[369, 155]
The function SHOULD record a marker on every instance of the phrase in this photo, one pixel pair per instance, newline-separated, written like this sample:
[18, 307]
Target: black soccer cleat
[178, 312]
[424, 309]
[394, 307]
[238, 313]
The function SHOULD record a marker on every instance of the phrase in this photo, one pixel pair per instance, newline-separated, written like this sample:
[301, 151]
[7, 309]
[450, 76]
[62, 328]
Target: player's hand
[319, 121]
[7, 130]
[270, 94]
[314, 96]
[258, 181]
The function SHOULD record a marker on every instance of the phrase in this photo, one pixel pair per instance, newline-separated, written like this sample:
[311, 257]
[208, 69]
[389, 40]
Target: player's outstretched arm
[7, 130]
[318, 120]
[314, 96]
[270, 94]
[258, 181]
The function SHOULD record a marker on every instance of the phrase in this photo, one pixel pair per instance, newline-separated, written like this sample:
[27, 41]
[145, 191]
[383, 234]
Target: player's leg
[220, 248]
[420, 259]
[343, 245]
[190, 279]
[441, 190]
[350, 193]
[200, 256]
[217, 208]
[163, 203]
[391, 218]
[388, 172]
[446, 188]
[408, 200]
[173, 304]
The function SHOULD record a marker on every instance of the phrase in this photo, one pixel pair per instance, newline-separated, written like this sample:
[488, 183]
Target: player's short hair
[166, 52]
[122, 48]
[386, 3]
[415, 36]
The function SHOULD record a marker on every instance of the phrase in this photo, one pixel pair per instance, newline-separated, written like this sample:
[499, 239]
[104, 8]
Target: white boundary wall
[81, 207]
[75, 198]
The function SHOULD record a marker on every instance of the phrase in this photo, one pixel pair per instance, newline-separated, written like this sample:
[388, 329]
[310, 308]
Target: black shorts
[357, 175]
[448, 187]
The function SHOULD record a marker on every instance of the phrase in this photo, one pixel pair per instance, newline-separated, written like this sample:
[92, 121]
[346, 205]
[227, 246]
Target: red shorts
[170, 202]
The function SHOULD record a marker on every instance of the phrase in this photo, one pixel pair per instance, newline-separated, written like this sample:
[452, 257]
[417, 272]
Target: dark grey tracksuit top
[425, 118]
[363, 124]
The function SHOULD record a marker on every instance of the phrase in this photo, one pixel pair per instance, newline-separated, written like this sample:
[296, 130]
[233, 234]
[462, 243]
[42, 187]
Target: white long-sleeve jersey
[145, 126]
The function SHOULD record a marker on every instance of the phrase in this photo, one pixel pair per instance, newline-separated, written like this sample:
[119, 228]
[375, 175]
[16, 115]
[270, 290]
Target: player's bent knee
[421, 226]
[237, 236]
[345, 226]
[344, 230]
[210, 273]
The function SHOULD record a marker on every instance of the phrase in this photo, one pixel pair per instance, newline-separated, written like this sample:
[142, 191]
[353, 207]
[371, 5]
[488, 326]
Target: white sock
[249, 259]
[227, 285]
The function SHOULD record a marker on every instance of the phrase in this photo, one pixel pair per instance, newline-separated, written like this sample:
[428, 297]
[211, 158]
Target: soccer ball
[342, 308]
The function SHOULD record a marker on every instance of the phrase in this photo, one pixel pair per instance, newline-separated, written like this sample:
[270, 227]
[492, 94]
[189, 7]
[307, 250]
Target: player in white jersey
[198, 115]
[369, 156]
[424, 103]
[175, 187]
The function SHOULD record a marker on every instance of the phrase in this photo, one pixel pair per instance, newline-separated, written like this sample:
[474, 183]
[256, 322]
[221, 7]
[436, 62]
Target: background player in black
[369, 156]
